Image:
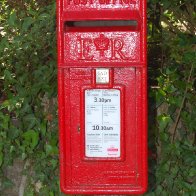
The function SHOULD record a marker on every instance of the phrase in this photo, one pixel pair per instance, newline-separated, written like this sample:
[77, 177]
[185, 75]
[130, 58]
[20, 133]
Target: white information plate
[102, 123]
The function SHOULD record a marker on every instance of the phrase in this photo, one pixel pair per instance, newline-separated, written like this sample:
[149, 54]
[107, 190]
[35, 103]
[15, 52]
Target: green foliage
[28, 110]
[177, 125]
[175, 98]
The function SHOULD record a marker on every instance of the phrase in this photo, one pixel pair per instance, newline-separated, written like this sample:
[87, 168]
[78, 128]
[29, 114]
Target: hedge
[28, 106]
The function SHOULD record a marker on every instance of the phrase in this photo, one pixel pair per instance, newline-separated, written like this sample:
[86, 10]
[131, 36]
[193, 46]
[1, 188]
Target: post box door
[118, 172]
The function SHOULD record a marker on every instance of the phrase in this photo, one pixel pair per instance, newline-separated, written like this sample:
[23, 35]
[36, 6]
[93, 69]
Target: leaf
[51, 150]
[192, 172]
[51, 193]
[12, 19]
[13, 133]
[30, 119]
[24, 156]
[27, 23]
[7, 183]
[5, 122]
[31, 138]
[54, 163]
[163, 121]
[43, 127]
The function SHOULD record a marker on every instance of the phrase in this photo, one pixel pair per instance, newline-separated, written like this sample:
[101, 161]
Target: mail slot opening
[128, 24]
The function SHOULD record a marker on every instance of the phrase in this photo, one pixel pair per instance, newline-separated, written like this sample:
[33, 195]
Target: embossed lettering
[85, 49]
[88, 46]
[79, 2]
[101, 2]
[127, 2]
[117, 46]
[101, 44]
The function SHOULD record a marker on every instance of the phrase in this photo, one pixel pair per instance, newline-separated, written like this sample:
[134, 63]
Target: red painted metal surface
[122, 50]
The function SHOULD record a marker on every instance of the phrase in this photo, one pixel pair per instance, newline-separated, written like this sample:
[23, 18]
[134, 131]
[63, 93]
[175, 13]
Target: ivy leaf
[51, 149]
[5, 121]
[51, 193]
[31, 138]
[27, 23]
[192, 172]
[12, 19]
[43, 128]
[163, 121]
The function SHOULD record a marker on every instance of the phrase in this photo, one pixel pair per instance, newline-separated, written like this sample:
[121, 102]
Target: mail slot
[102, 96]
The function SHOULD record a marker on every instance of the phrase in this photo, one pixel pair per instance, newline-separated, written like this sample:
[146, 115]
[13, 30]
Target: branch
[181, 106]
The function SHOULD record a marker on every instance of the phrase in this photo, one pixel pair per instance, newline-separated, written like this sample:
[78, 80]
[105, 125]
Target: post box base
[107, 190]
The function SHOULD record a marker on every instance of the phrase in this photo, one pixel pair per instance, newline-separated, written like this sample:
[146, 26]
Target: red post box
[102, 96]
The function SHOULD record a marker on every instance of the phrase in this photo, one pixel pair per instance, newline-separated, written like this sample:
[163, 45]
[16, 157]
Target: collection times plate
[102, 123]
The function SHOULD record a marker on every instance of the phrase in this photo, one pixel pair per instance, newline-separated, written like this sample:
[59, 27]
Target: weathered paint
[123, 51]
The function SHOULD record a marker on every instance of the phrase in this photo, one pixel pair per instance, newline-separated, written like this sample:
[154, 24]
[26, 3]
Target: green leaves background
[28, 107]
[28, 92]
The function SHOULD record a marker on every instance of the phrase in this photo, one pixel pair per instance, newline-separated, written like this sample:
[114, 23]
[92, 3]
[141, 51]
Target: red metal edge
[60, 92]
[103, 15]
[144, 33]
[61, 126]
[145, 128]
[141, 123]
[61, 97]
[145, 99]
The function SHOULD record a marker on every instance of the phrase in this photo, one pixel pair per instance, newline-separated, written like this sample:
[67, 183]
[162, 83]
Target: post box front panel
[122, 172]
[102, 118]
[102, 47]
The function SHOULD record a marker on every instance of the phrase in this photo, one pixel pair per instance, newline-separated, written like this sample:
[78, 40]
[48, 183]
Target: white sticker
[102, 76]
[102, 123]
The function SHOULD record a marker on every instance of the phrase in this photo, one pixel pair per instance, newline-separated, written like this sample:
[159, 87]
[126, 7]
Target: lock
[102, 96]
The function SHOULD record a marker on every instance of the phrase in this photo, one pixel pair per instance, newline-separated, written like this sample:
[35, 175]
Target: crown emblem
[101, 44]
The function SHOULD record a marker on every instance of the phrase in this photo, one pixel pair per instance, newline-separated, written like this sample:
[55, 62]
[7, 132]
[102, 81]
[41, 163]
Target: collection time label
[102, 123]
